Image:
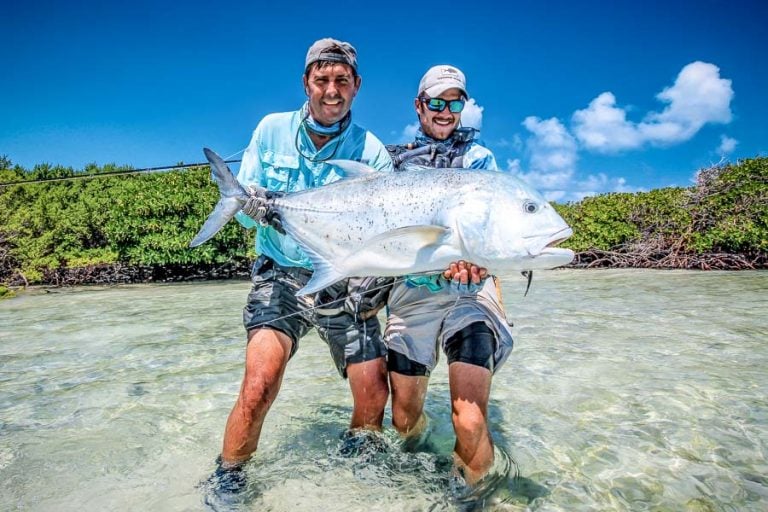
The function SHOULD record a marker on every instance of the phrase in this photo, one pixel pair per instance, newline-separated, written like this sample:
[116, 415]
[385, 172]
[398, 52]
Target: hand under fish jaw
[465, 276]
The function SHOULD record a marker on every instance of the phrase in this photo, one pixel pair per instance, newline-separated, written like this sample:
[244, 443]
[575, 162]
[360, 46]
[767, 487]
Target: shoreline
[119, 274]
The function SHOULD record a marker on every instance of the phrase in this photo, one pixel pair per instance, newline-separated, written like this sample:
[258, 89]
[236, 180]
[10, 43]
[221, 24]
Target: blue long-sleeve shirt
[273, 161]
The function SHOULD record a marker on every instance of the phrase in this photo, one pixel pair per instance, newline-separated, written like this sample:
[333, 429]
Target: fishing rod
[109, 173]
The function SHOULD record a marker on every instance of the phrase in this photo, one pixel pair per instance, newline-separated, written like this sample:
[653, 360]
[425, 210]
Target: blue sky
[578, 97]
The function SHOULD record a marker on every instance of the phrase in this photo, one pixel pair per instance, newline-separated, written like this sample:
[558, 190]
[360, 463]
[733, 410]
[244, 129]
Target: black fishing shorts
[272, 303]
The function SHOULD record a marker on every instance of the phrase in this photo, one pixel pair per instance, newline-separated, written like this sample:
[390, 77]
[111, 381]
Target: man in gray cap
[459, 311]
[289, 152]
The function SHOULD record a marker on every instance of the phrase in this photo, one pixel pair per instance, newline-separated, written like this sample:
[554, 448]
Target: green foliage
[161, 213]
[725, 212]
[149, 219]
[601, 222]
[662, 211]
[730, 208]
[134, 219]
[9, 172]
[6, 293]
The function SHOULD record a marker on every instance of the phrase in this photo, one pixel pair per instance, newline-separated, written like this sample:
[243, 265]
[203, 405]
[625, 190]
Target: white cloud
[727, 145]
[601, 183]
[698, 96]
[472, 115]
[553, 153]
[513, 166]
[409, 132]
[557, 196]
[552, 156]
[603, 126]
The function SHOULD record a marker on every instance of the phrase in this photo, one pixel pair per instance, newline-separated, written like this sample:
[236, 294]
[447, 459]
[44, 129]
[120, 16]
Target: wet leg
[370, 392]
[266, 357]
[470, 390]
[408, 394]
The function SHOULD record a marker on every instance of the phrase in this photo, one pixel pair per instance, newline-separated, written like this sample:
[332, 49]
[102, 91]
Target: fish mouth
[548, 244]
[560, 236]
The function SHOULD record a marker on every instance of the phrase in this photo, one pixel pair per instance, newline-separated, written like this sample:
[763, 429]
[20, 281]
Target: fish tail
[232, 199]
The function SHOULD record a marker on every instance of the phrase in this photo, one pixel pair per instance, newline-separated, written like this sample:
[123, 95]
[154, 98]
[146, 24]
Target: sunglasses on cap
[439, 104]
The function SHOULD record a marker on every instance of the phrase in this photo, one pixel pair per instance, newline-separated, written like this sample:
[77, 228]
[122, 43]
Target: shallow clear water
[626, 390]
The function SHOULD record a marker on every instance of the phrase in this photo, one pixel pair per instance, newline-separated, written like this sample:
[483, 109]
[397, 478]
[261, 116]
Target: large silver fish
[391, 224]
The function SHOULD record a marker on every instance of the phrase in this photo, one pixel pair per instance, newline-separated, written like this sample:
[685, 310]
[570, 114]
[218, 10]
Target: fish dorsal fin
[352, 169]
[228, 184]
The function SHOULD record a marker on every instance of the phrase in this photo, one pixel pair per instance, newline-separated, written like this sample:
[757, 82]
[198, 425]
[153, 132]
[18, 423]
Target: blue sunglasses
[439, 104]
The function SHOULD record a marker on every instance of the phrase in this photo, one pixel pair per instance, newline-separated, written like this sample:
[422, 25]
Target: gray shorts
[421, 321]
[273, 304]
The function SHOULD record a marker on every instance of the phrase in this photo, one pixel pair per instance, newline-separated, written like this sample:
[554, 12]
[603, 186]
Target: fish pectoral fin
[323, 275]
[397, 251]
[415, 237]
[352, 169]
[321, 278]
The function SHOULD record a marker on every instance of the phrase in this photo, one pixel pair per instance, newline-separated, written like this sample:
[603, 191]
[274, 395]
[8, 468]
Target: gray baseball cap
[332, 50]
[441, 78]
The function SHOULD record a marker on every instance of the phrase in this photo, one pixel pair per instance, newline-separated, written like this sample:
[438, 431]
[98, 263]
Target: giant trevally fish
[397, 223]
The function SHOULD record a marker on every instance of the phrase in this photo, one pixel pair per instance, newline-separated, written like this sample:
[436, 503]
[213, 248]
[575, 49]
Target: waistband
[265, 263]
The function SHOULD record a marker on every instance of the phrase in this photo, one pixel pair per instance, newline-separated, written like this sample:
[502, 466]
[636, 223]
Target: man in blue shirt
[458, 310]
[288, 153]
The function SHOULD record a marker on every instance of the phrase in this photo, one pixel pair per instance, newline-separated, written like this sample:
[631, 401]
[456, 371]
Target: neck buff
[328, 131]
[424, 140]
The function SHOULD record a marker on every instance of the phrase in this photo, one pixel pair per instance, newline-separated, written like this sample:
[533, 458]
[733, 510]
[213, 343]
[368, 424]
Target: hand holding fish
[256, 205]
[465, 277]
[257, 208]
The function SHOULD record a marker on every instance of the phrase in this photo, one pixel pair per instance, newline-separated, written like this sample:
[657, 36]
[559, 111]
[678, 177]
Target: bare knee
[405, 416]
[267, 355]
[258, 392]
[370, 392]
[377, 392]
[368, 382]
[469, 423]
[408, 393]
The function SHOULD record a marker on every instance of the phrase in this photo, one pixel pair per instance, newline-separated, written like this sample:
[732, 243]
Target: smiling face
[331, 89]
[439, 125]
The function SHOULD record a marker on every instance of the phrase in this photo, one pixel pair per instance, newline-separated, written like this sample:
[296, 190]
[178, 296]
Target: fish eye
[530, 207]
